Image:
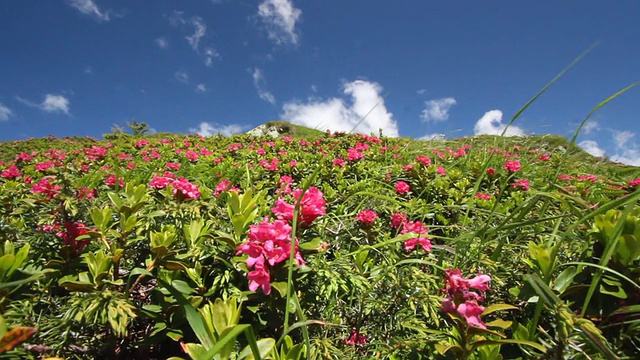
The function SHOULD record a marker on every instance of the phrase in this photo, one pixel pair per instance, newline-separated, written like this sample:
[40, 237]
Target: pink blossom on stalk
[402, 187]
[460, 299]
[338, 162]
[441, 171]
[356, 339]
[44, 166]
[111, 181]
[173, 166]
[423, 160]
[259, 278]
[160, 182]
[483, 196]
[491, 171]
[312, 206]
[367, 217]
[512, 165]
[353, 154]
[633, 184]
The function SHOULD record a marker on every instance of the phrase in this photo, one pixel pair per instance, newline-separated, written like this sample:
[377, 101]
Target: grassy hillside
[469, 248]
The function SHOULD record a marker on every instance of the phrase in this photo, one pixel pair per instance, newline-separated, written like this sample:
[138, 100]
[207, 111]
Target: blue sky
[458, 68]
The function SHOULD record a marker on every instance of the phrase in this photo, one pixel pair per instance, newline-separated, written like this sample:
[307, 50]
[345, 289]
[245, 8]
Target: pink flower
[441, 171]
[182, 189]
[398, 220]
[544, 157]
[259, 278]
[367, 217]
[86, 193]
[423, 160]
[471, 312]
[634, 183]
[160, 182]
[44, 186]
[173, 166]
[483, 196]
[491, 171]
[461, 300]
[512, 165]
[402, 187]
[338, 162]
[44, 166]
[353, 154]
[312, 206]
[141, 143]
[11, 172]
[522, 184]
[224, 185]
[356, 339]
[416, 227]
[111, 181]
[71, 234]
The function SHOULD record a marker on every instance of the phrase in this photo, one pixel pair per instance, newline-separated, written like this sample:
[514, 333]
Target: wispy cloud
[52, 103]
[590, 126]
[279, 18]
[5, 112]
[89, 7]
[592, 148]
[208, 129]
[181, 76]
[337, 115]
[199, 31]
[201, 88]
[434, 136]
[437, 110]
[627, 151]
[210, 54]
[261, 86]
[161, 42]
[491, 124]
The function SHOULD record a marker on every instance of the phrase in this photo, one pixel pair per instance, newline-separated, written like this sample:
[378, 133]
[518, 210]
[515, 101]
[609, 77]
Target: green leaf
[265, 346]
[228, 338]
[497, 307]
[532, 344]
[565, 279]
[183, 287]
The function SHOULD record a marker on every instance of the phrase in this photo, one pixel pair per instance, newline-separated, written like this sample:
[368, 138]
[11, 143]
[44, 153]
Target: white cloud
[434, 136]
[627, 152]
[261, 86]
[201, 88]
[592, 148]
[5, 112]
[491, 124]
[437, 109]
[200, 30]
[590, 126]
[280, 17]
[421, 91]
[181, 76]
[88, 7]
[55, 103]
[88, 70]
[335, 115]
[161, 42]
[51, 103]
[208, 129]
[210, 54]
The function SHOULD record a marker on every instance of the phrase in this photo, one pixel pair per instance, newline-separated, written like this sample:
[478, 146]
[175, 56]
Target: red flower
[419, 229]
[461, 299]
[512, 166]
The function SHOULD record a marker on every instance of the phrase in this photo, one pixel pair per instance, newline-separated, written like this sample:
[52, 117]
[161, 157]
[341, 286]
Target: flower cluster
[182, 188]
[268, 244]
[44, 186]
[356, 338]
[402, 187]
[461, 300]
[11, 172]
[367, 217]
[416, 227]
[312, 206]
[512, 165]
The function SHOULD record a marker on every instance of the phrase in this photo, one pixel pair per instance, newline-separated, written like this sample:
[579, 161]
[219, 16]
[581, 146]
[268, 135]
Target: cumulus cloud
[592, 148]
[161, 42]
[208, 129]
[627, 151]
[181, 76]
[52, 103]
[201, 88]
[337, 115]
[491, 124]
[261, 86]
[5, 112]
[279, 18]
[437, 110]
[88, 7]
